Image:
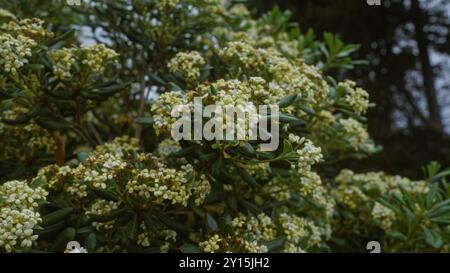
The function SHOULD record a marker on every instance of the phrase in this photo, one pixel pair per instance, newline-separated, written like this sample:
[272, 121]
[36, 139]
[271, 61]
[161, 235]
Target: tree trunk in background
[419, 20]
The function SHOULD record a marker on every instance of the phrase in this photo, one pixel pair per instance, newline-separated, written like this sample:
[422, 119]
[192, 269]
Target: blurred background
[407, 46]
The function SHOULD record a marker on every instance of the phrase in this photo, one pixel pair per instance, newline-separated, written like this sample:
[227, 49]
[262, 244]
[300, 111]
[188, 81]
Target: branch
[143, 98]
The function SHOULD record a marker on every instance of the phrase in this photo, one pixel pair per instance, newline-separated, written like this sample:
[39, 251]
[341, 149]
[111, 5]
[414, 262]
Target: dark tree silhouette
[399, 39]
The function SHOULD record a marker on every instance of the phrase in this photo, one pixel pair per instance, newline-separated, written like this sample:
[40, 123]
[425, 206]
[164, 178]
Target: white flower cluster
[102, 207]
[296, 230]
[62, 59]
[18, 217]
[381, 183]
[107, 167]
[16, 228]
[298, 78]
[355, 191]
[167, 184]
[14, 51]
[249, 56]
[308, 155]
[167, 4]
[17, 40]
[98, 170]
[261, 227]
[148, 179]
[18, 194]
[308, 185]
[350, 195]
[20, 143]
[357, 98]
[236, 93]
[96, 56]
[250, 234]
[323, 120]
[165, 238]
[30, 27]
[188, 63]
[259, 54]
[239, 10]
[356, 135]
[4, 13]
[211, 245]
[65, 178]
[383, 215]
[279, 189]
[259, 170]
[162, 110]
[120, 146]
[215, 7]
[167, 147]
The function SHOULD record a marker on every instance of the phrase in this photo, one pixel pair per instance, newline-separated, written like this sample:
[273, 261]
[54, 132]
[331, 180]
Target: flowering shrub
[92, 149]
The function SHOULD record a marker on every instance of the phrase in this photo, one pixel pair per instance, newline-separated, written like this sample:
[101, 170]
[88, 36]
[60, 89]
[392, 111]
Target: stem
[95, 133]
[143, 97]
[84, 135]
[60, 151]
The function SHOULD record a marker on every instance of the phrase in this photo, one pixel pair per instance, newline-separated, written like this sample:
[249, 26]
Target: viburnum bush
[86, 152]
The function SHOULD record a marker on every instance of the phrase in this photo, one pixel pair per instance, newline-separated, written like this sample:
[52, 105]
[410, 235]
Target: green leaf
[386, 203]
[286, 118]
[287, 101]
[232, 202]
[441, 220]
[338, 241]
[110, 90]
[211, 224]
[35, 67]
[247, 177]
[85, 230]
[439, 209]
[397, 235]
[157, 79]
[189, 248]
[250, 206]
[174, 87]
[55, 217]
[51, 230]
[185, 151]
[107, 217]
[204, 74]
[149, 223]
[432, 193]
[62, 37]
[308, 110]
[441, 174]
[147, 121]
[287, 147]
[133, 227]
[53, 125]
[173, 224]
[409, 215]
[276, 244]
[38, 182]
[62, 239]
[433, 238]
[248, 149]
[107, 195]
[24, 118]
[90, 242]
